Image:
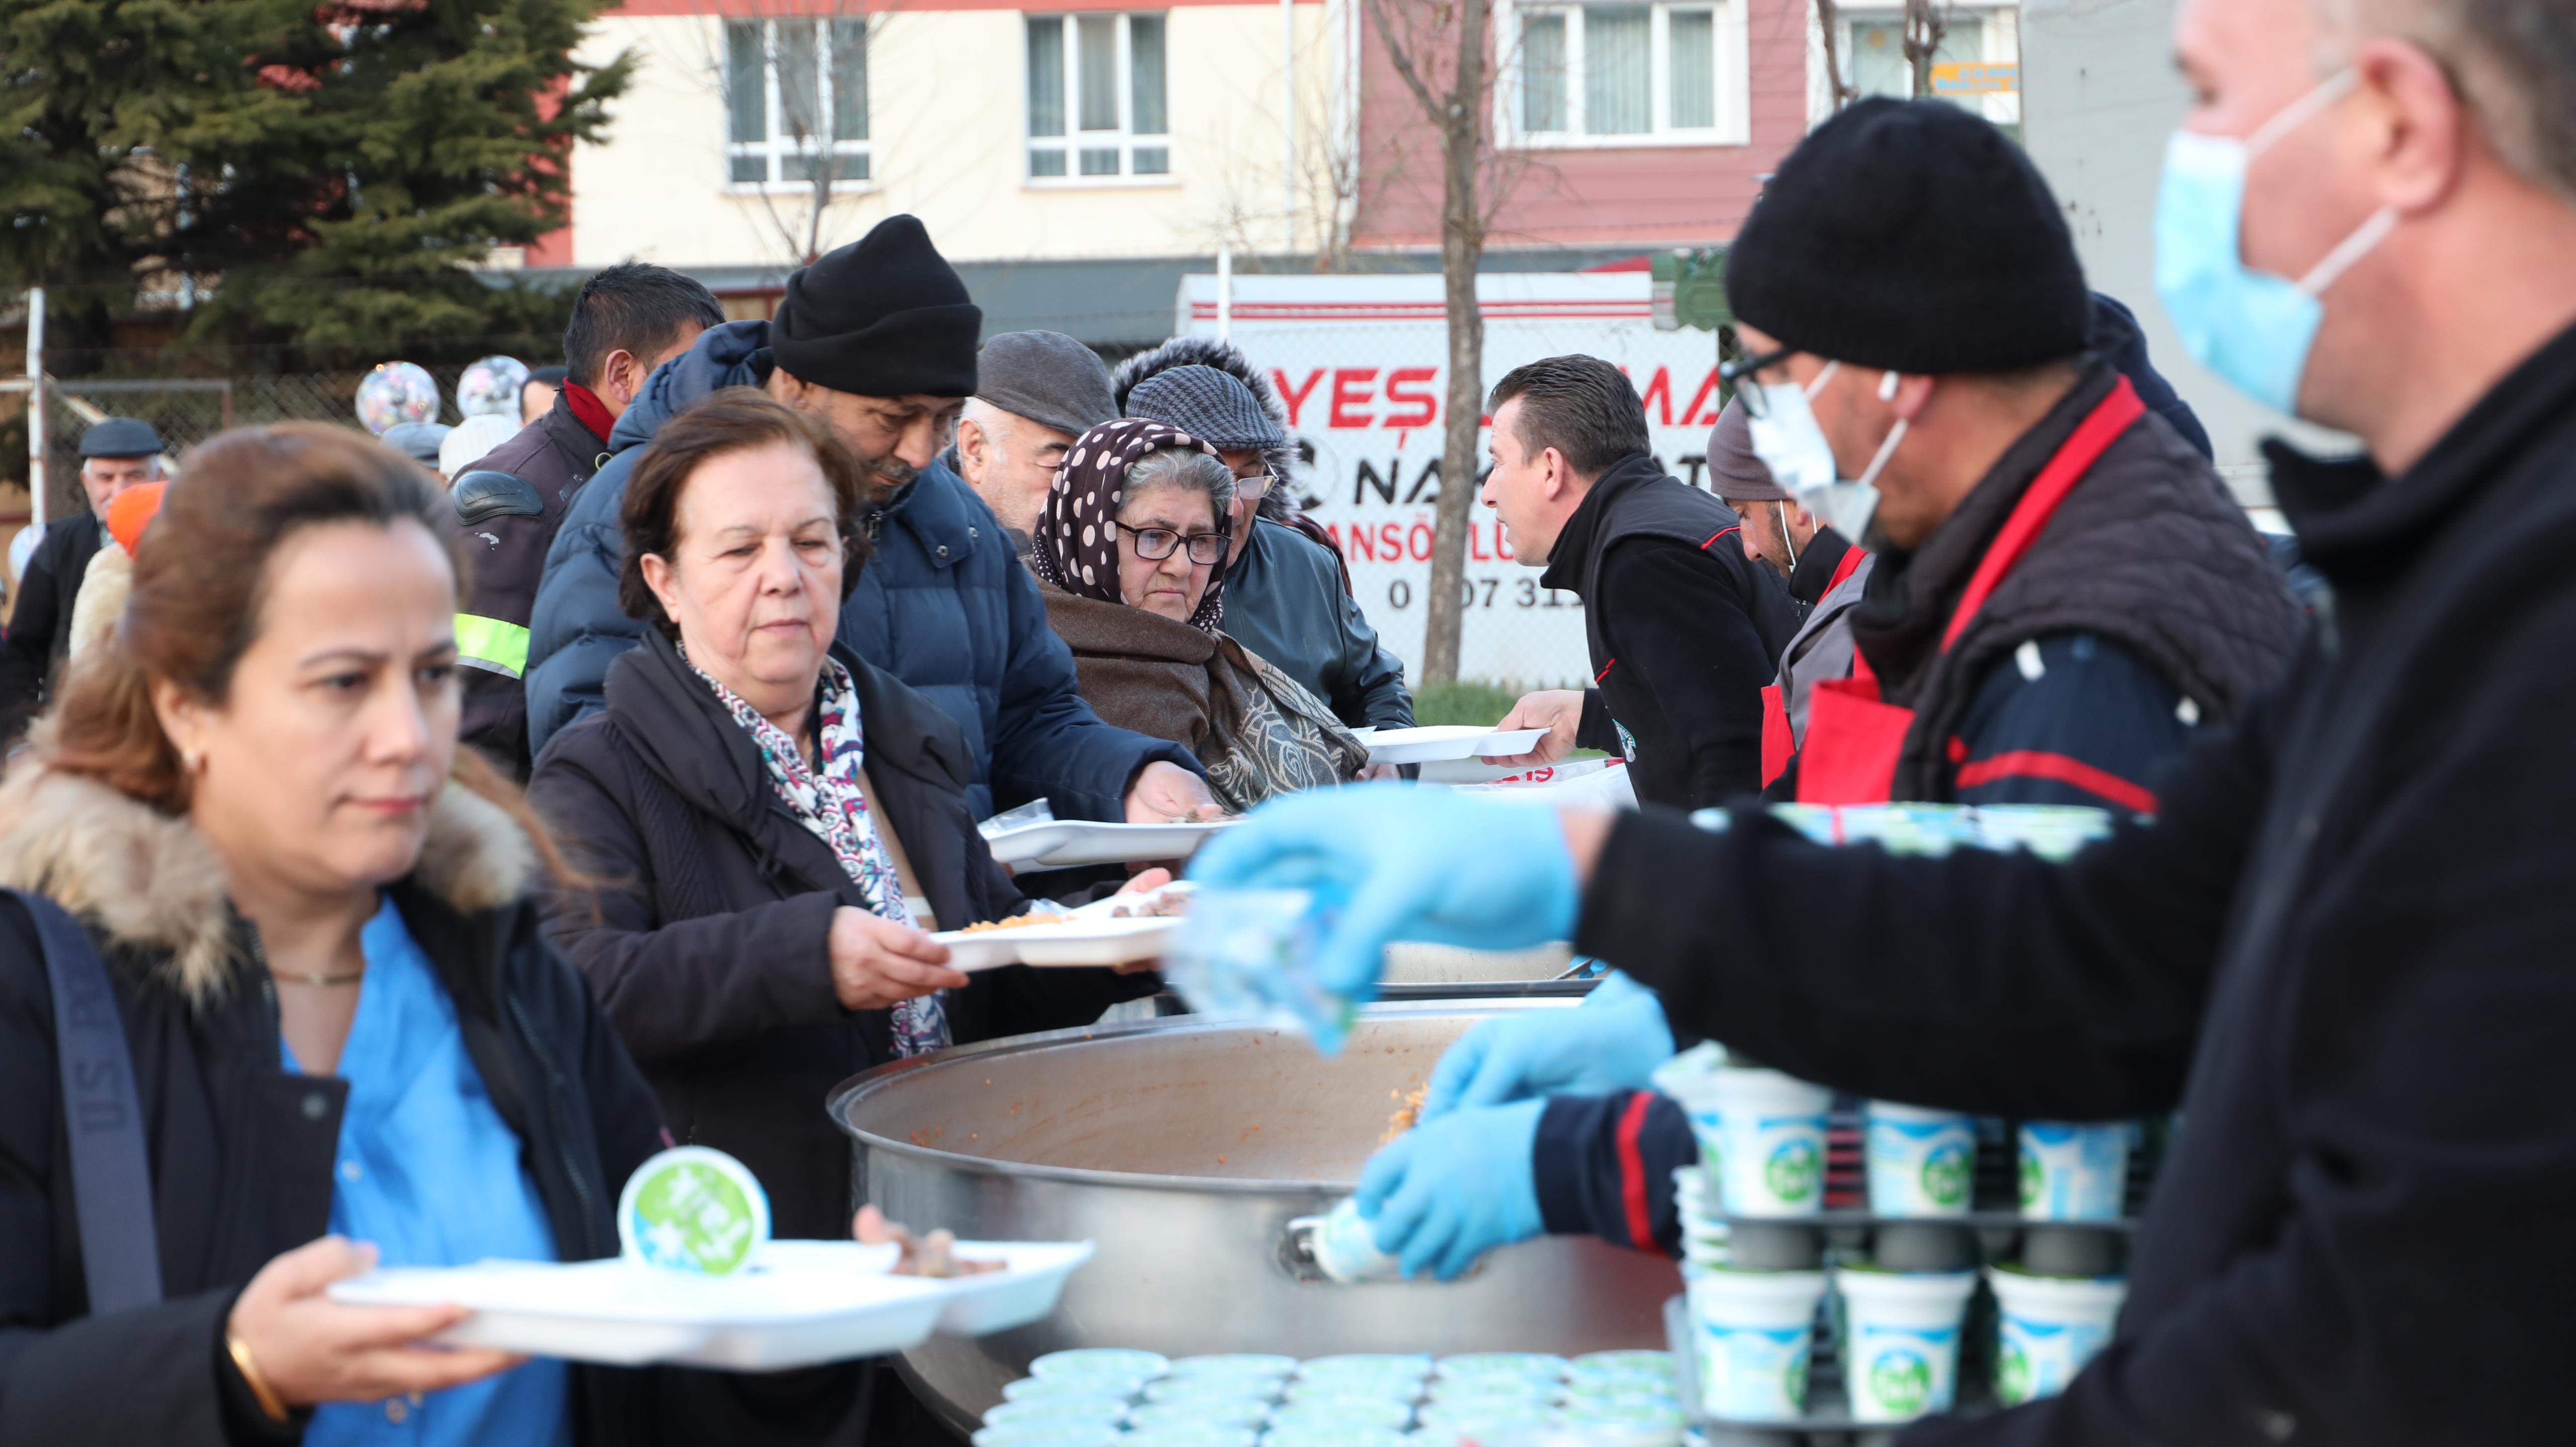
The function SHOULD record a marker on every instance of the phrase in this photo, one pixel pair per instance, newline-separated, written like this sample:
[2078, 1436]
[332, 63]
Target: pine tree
[314, 179]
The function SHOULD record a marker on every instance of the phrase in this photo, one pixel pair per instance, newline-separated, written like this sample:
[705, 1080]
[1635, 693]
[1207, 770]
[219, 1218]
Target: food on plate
[1408, 1110]
[934, 1255]
[1017, 921]
[1152, 904]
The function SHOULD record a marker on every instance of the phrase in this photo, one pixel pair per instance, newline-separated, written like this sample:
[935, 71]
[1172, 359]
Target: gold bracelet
[258, 1384]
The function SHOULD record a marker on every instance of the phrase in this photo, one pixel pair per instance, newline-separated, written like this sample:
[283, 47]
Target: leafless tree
[1829, 25]
[1443, 51]
[802, 58]
[1927, 24]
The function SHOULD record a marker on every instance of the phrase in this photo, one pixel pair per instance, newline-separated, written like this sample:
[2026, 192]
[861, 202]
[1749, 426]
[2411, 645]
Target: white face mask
[1791, 444]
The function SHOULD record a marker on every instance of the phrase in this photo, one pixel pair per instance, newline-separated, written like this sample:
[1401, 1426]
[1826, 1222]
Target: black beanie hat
[884, 316]
[1915, 237]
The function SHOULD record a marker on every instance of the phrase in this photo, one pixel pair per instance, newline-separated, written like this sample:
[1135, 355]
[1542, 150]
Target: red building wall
[1611, 196]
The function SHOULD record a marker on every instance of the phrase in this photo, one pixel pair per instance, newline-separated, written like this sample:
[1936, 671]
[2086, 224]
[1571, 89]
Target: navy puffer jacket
[943, 606]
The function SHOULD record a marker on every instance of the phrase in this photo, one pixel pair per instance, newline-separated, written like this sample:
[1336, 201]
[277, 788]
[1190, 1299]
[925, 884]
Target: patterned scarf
[1072, 545]
[831, 806]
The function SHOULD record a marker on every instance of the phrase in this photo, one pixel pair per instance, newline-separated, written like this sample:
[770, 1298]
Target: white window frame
[1075, 140]
[781, 145]
[1999, 41]
[1732, 77]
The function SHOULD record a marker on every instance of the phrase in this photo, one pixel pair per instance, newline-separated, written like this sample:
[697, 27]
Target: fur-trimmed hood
[149, 881]
[1228, 358]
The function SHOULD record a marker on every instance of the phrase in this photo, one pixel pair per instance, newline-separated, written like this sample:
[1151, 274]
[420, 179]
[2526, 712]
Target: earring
[191, 762]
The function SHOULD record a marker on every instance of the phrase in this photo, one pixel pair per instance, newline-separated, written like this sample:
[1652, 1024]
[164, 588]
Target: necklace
[318, 981]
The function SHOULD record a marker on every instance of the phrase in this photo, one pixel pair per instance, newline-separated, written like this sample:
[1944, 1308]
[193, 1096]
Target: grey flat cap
[1206, 403]
[121, 437]
[1047, 377]
[1735, 472]
[417, 441]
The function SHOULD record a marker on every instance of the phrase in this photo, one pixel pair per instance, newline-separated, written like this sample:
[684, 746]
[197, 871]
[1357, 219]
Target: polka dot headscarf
[1074, 548]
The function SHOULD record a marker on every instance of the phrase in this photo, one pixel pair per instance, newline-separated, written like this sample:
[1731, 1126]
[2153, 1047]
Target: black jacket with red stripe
[1604, 1166]
[1684, 631]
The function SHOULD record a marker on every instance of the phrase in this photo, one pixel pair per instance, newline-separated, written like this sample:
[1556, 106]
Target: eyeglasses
[1156, 544]
[1744, 374]
[1256, 486]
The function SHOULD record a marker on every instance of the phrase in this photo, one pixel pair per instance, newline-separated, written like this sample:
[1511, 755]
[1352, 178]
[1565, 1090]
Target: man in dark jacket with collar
[628, 320]
[1684, 629]
[878, 338]
[2340, 949]
[115, 454]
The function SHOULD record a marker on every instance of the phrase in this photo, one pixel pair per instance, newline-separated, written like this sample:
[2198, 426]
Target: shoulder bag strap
[111, 1178]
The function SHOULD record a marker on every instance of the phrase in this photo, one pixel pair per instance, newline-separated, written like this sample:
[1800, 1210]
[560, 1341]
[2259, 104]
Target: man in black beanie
[876, 338]
[2064, 587]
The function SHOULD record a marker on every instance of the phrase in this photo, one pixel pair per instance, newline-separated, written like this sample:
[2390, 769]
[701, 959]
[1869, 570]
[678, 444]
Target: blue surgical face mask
[1793, 446]
[2250, 327]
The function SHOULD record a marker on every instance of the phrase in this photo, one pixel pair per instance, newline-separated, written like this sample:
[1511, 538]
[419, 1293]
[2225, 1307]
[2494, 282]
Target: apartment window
[1626, 74]
[1877, 52]
[1097, 97]
[796, 100]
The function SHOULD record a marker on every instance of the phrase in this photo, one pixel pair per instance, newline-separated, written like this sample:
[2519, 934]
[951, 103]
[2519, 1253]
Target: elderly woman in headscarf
[1130, 554]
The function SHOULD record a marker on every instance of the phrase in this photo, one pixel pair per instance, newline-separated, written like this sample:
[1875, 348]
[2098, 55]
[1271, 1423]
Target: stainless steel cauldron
[1185, 1149]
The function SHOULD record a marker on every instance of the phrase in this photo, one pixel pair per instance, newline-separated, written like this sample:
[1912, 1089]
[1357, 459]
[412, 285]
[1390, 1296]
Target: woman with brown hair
[339, 1010]
[1130, 554]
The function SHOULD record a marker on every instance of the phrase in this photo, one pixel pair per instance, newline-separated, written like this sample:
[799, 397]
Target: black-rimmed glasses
[1744, 374]
[1156, 544]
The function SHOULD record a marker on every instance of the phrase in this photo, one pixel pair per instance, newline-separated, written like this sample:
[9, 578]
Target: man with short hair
[1035, 392]
[117, 453]
[1285, 600]
[538, 392]
[877, 339]
[628, 320]
[1684, 630]
[2340, 949]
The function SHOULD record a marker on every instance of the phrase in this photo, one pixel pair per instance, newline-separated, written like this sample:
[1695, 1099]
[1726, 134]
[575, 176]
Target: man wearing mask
[1285, 599]
[116, 454]
[1825, 571]
[878, 339]
[2340, 948]
[1035, 392]
[1684, 628]
[628, 320]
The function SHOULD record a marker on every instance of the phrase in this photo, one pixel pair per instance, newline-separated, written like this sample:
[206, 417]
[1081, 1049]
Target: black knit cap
[885, 316]
[1914, 237]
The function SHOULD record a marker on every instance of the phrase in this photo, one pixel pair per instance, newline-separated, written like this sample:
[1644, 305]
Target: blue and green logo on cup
[1945, 1173]
[1793, 1172]
[1901, 1380]
[693, 1209]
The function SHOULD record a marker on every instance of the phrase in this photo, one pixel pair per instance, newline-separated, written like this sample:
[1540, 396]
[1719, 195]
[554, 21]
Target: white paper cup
[1751, 1335]
[1697, 1093]
[2074, 1172]
[1901, 1340]
[1772, 1130]
[2049, 1326]
[1921, 1162]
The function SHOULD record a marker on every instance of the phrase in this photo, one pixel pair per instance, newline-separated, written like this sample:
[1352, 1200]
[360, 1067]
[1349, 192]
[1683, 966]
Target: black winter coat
[40, 627]
[2342, 950]
[506, 535]
[241, 1151]
[708, 946]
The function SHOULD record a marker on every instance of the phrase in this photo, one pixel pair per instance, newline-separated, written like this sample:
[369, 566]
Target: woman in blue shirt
[342, 1016]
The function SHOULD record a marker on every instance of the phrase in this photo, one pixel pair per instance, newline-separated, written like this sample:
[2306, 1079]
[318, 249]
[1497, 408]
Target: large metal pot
[1185, 1149]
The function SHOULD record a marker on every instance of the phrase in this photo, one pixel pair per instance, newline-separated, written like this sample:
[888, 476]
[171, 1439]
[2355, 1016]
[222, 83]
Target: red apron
[1854, 740]
[1779, 743]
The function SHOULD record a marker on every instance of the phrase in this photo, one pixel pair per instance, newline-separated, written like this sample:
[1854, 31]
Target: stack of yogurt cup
[2056, 1309]
[2052, 831]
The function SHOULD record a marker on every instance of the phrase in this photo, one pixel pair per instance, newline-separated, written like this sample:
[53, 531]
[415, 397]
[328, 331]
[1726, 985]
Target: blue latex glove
[1404, 863]
[1612, 1041]
[1446, 1192]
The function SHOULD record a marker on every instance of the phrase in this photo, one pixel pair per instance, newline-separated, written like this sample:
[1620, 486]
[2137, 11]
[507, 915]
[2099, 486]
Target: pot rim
[878, 1077]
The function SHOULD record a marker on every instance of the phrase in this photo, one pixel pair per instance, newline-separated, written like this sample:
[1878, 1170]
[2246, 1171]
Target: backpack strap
[111, 1177]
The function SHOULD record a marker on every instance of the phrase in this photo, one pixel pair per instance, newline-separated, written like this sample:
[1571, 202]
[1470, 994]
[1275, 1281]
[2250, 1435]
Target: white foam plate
[1064, 843]
[1024, 1291]
[835, 1303]
[1075, 943]
[801, 1302]
[1435, 742]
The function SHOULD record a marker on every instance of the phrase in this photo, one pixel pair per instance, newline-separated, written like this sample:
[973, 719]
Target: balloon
[396, 392]
[490, 388]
